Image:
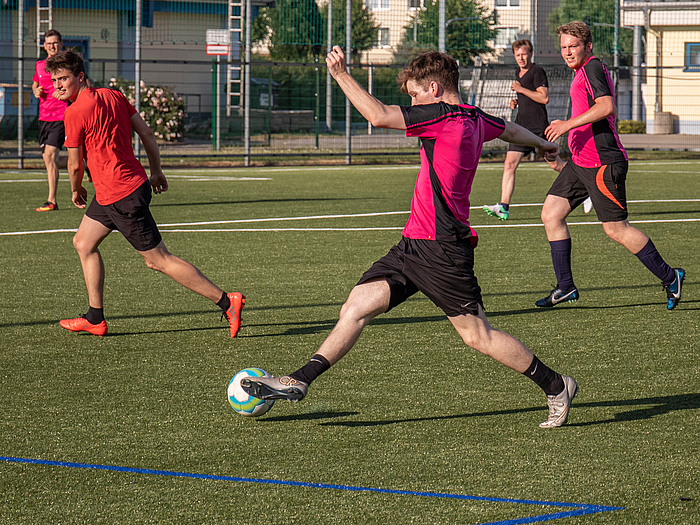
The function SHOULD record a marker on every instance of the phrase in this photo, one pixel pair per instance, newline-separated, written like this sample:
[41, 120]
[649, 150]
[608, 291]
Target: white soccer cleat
[559, 405]
[587, 205]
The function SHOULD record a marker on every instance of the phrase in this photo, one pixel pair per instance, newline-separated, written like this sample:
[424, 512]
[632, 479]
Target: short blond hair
[577, 29]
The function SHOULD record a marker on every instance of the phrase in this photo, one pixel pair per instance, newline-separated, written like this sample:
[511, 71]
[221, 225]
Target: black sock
[504, 206]
[224, 303]
[546, 378]
[311, 370]
[651, 258]
[561, 260]
[95, 315]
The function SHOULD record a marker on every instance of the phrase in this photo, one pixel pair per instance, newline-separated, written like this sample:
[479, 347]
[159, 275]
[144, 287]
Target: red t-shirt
[100, 121]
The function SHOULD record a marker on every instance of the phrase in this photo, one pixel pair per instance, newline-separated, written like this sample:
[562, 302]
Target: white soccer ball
[243, 403]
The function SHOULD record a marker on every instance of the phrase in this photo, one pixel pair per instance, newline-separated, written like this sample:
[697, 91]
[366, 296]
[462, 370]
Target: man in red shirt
[436, 252]
[99, 125]
[597, 169]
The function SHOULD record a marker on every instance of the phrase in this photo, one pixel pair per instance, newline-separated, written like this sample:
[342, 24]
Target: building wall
[677, 88]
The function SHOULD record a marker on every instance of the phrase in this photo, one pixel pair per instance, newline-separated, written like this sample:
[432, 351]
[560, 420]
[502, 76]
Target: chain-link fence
[281, 100]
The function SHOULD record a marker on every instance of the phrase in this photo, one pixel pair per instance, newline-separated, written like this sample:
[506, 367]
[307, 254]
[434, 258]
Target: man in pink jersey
[51, 109]
[436, 252]
[597, 168]
[99, 127]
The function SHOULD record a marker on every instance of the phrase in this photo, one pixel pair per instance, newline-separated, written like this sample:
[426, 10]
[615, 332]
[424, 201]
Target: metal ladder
[44, 21]
[234, 78]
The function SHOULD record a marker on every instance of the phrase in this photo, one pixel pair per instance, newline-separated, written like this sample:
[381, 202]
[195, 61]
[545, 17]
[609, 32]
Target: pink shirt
[452, 137]
[50, 109]
[596, 144]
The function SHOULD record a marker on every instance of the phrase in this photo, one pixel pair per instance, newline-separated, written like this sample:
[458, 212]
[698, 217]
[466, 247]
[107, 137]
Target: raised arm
[158, 181]
[540, 95]
[520, 135]
[76, 169]
[376, 112]
[601, 109]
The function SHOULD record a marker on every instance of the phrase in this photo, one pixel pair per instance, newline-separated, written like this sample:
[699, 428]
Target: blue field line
[579, 509]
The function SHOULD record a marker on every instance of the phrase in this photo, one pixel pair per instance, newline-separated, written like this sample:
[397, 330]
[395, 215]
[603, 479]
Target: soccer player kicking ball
[436, 254]
[99, 125]
[597, 168]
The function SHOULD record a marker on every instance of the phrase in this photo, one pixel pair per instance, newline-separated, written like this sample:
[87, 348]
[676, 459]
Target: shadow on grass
[644, 408]
[309, 416]
[256, 201]
[314, 327]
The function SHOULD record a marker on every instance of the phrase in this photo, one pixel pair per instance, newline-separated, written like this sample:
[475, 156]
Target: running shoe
[497, 211]
[275, 388]
[48, 206]
[80, 324]
[673, 290]
[233, 314]
[557, 296]
[587, 205]
[559, 405]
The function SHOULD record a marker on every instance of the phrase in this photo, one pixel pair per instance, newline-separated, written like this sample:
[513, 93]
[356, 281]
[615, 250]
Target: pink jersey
[596, 144]
[451, 140]
[50, 109]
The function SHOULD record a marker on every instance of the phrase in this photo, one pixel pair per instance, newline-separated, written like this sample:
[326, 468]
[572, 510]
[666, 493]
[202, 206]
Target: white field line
[316, 217]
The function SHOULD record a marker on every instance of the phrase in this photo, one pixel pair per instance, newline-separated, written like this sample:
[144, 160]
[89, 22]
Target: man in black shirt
[532, 91]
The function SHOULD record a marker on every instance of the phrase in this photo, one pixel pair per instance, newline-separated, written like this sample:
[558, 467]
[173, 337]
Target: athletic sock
[95, 315]
[311, 370]
[546, 378]
[651, 258]
[504, 206]
[224, 303]
[561, 260]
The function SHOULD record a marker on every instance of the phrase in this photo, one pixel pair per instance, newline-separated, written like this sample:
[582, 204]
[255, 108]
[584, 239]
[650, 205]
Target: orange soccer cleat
[233, 314]
[48, 206]
[80, 324]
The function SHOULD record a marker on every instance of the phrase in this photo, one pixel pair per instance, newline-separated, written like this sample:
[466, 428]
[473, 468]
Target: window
[415, 4]
[505, 36]
[692, 56]
[383, 37]
[507, 3]
[377, 4]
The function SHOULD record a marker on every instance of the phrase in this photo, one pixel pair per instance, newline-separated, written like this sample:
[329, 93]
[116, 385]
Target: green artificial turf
[409, 409]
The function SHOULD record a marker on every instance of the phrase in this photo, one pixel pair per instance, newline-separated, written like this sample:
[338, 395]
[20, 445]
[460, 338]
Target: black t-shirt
[532, 115]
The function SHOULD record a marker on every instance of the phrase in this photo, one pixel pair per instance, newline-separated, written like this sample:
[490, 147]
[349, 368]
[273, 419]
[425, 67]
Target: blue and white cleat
[673, 290]
[557, 296]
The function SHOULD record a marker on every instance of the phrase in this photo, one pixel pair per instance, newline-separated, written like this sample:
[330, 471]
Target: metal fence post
[348, 106]
[20, 81]
[137, 73]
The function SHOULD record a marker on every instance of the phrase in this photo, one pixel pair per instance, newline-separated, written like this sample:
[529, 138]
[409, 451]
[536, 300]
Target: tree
[469, 29]
[294, 29]
[600, 17]
[364, 27]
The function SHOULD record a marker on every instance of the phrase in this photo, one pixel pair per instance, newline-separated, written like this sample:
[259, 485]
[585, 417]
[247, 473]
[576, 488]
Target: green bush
[632, 126]
[162, 109]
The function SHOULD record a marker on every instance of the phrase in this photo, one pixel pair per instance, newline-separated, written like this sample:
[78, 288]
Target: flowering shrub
[162, 109]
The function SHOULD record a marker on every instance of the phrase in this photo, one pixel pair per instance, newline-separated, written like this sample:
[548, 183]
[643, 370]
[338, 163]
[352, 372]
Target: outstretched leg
[365, 302]
[478, 333]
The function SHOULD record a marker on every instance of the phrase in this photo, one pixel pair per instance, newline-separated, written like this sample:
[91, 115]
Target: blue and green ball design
[243, 403]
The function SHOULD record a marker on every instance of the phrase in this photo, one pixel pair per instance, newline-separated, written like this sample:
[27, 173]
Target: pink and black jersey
[50, 108]
[451, 140]
[596, 144]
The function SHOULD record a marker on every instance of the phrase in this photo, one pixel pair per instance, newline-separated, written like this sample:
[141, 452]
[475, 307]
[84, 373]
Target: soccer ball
[243, 403]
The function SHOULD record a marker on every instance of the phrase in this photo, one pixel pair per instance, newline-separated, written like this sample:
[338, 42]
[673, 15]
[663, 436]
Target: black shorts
[605, 186]
[443, 271]
[525, 150]
[131, 216]
[51, 134]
